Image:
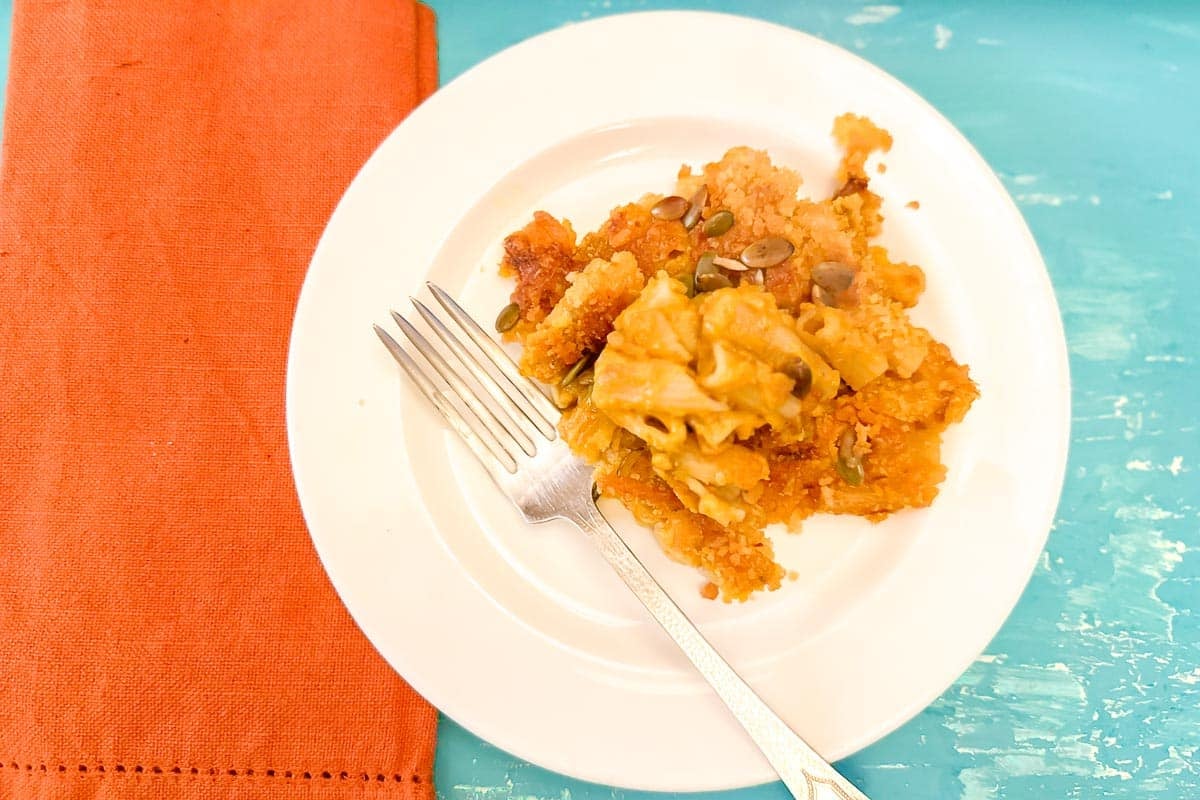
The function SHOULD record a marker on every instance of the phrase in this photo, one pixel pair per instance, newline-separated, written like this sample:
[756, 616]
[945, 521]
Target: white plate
[522, 634]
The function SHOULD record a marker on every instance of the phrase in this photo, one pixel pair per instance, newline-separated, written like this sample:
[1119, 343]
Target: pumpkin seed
[851, 470]
[849, 466]
[824, 298]
[672, 207]
[731, 264]
[833, 276]
[696, 208]
[576, 369]
[801, 374]
[689, 282]
[719, 223]
[767, 252]
[708, 277]
[508, 317]
[711, 282]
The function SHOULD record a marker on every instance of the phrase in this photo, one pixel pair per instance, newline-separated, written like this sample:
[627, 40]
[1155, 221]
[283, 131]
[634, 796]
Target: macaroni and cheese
[732, 356]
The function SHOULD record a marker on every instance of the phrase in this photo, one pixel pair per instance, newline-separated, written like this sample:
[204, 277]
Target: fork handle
[806, 775]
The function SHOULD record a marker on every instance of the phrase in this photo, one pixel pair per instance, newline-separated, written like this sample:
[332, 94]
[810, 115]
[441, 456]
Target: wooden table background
[1090, 114]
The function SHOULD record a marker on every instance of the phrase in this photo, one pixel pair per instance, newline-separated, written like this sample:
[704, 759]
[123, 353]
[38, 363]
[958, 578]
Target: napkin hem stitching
[100, 769]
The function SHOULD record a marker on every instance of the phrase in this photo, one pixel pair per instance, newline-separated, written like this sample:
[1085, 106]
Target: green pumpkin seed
[850, 466]
[508, 317]
[576, 370]
[669, 208]
[719, 223]
[833, 276]
[712, 282]
[689, 282]
[696, 208]
[767, 252]
[851, 470]
[708, 277]
[801, 374]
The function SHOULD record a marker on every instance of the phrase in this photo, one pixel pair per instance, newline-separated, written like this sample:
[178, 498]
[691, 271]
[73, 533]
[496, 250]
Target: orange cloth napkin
[167, 628]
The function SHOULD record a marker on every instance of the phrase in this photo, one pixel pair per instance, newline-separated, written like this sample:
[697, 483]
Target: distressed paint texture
[1092, 689]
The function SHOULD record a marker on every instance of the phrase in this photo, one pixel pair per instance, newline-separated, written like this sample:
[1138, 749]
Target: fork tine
[525, 387]
[501, 429]
[498, 464]
[502, 393]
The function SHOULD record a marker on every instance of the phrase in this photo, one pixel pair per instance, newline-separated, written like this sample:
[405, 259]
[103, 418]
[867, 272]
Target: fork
[515, 439]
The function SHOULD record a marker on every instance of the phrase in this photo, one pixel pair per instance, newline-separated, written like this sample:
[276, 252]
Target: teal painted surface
[5, 39]
[1090, 116]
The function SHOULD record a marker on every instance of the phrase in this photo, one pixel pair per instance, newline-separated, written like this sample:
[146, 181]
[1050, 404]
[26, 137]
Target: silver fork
[516, 441]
